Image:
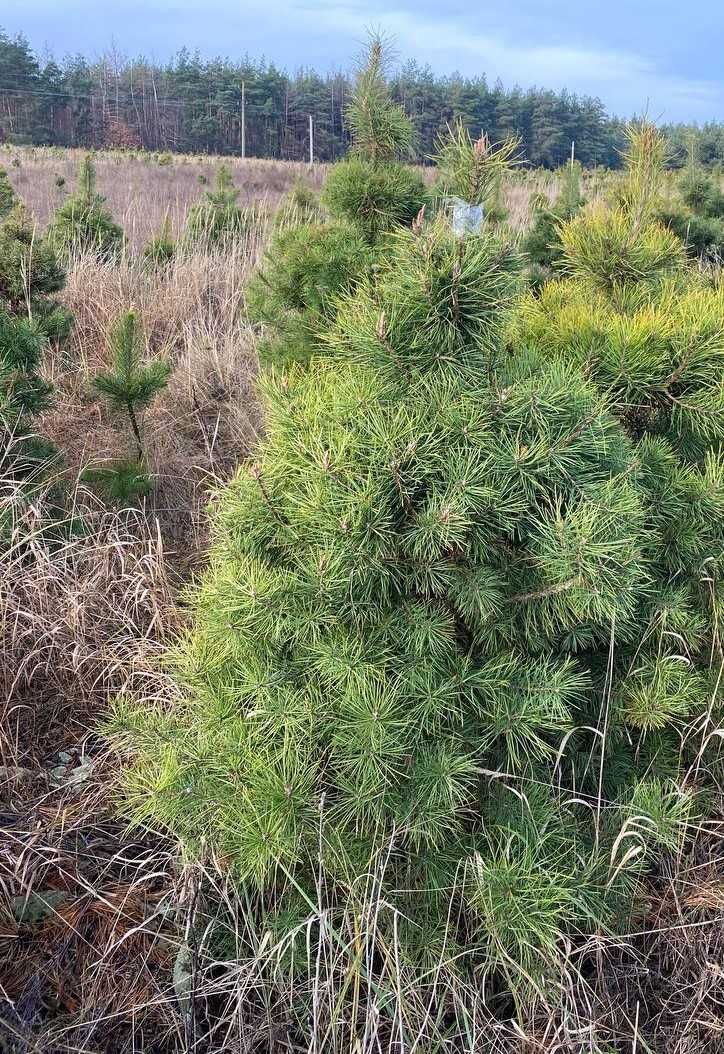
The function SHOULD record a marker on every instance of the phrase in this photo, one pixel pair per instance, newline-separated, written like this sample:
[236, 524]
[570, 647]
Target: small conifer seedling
[83, 223]
[218, 217]
[128, 388]
[161, 250]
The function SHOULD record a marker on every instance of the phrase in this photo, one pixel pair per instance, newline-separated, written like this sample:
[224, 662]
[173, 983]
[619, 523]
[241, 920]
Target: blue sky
[662, 56]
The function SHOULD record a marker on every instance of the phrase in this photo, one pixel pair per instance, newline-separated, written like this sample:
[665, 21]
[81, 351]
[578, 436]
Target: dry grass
[139, 190]
[207, 419]
[81, 619]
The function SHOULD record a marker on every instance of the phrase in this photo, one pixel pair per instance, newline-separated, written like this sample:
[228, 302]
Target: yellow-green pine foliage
[439, 601]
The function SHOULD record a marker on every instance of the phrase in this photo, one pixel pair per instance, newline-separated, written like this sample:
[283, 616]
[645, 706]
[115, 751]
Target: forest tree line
[194, 105]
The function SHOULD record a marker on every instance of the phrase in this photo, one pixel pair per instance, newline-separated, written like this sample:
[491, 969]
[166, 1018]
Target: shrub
[542, 243]
[374, 198]
[436, 603]
[219, 217]
[294, 292]
[7, 195]
[698, 219]
[161, 250]
[603, 247]
[300, 205]
[83, 223]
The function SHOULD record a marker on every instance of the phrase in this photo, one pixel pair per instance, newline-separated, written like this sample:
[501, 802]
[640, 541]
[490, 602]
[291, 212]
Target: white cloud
[625, 80]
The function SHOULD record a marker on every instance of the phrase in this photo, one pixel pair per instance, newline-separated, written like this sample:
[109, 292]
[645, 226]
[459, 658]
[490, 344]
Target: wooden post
[311, 140]
[243, 120]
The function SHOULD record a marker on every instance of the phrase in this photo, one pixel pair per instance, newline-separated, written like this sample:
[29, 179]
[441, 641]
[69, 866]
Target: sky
[657, 56]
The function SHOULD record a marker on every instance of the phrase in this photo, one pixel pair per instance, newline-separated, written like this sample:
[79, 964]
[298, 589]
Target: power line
[161, 100]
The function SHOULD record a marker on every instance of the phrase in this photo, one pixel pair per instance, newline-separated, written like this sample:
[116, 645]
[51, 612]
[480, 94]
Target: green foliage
[605, 248]
[369, 189]
[459, 593]
[124, 482]
[381, 130]
[462, 608]
[131, 385]
[294, 292]
[698, 219]
[300, 205]
[374, 198]
[7, 195]
[218, 218]
[310, 263]
[23, 392]
[542, 242]
[30, 275]
[471, 170]
[30, 316]
[161, 250]
[83, 223]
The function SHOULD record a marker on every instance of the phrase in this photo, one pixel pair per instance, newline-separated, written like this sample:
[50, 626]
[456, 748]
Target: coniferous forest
[361, 528]
[193, 105]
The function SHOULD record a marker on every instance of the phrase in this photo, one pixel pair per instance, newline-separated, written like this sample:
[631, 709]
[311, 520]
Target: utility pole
[573, 151]
[243, 120]
[311, 140]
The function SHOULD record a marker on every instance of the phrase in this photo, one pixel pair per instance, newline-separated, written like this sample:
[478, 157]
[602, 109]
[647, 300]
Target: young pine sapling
[129, 387]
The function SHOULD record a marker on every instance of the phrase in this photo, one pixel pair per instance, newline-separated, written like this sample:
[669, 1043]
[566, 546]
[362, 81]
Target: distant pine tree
[218, 217]
[542, 244]
[698, 218]
[83, 223]
[161, 250]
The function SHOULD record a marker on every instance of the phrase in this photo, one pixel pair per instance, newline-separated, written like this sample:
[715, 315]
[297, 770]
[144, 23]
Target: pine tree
[31, 275]
[83, 223]
[698, 217]
[542, 243]
[294, 293]
[371, 189]
[30, 316]
[471, 169]
[301, 205]
[161, 250]
[8, 198]
[23, 395]
[218, 217]
[307, 267]
[455, 616]
[128, 388]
